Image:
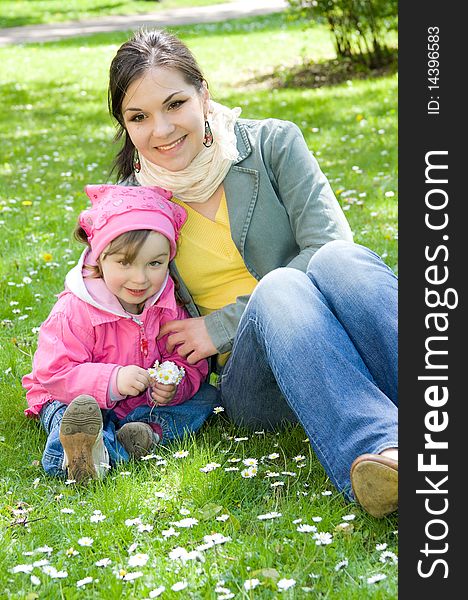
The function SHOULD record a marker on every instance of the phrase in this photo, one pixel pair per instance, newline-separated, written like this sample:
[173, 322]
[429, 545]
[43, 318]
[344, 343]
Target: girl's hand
[132, 380]
[191, 338]
[163, 393]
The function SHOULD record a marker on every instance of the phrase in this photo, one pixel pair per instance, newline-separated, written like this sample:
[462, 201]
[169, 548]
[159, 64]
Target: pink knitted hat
[117, 209]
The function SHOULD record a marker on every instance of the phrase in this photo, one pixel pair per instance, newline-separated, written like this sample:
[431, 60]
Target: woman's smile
[175, 144]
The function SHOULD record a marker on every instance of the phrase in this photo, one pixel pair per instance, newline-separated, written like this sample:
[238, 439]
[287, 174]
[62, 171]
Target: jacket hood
[93, 291]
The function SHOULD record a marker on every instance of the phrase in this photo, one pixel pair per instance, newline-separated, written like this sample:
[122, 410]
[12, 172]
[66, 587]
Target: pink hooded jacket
[88, 336]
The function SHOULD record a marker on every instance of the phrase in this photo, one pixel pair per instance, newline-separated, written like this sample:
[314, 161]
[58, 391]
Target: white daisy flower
[97, 517]
[273, 455]
[249, 472]
[381, 547]
[22, 569]
[218, 409]
[388, 556]
[169, 532]
[132, 575]
[85, 541]
[341, 565]
[188, 522]
[285, 584]
[251, 584]
[35, 580]
[271, 515]
[323, 538]
[138, 560]
[349, 517]
[167, 372]
[179, 586]
[84, 581]
[157, 592]
[180, 454]
[298, 458]
[316, 519]
[228, 469]
[304, 528]
[277, 484]
[210, 467]
[67, 511]
[216, 538]
[222, 517]
[103, 562]
[250, 462]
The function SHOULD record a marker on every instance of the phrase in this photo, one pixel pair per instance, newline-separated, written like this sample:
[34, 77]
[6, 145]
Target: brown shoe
[374, 479]
[81, 438]
[137, 438]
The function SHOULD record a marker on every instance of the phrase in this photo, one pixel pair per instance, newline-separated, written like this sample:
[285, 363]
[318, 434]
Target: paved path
[162, 18]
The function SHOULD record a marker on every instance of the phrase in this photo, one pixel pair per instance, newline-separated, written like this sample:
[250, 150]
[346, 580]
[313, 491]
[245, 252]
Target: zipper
[143, 339]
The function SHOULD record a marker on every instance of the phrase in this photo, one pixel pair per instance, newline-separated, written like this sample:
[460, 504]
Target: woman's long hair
[144, 51]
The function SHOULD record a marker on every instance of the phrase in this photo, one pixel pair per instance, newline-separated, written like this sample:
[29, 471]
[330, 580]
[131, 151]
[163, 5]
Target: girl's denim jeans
[320, 348]
[175, 421]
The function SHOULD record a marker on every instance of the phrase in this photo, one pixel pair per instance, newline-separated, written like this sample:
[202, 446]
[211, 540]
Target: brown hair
[128, 244]
[144, 51]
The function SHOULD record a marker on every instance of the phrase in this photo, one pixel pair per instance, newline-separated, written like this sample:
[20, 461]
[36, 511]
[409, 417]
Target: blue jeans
[320, 348]
[175, 421]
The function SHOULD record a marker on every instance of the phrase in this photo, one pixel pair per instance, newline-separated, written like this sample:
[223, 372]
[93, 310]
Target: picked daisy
[218, 409]
[166, 372]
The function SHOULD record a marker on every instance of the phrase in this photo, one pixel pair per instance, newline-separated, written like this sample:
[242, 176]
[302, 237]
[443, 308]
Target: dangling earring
[208, 139]
[136, 162]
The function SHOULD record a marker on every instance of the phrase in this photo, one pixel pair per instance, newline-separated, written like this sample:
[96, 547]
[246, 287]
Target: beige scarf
[199, 181]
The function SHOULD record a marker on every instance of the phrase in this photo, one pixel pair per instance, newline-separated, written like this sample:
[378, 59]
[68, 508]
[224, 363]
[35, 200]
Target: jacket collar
[243, 144]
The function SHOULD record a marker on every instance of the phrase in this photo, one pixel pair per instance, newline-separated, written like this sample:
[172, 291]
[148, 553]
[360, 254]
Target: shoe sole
[136, 438]
[79, 430]
[375, 484]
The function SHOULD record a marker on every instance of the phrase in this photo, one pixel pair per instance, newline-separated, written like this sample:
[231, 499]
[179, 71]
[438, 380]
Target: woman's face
[165, 118]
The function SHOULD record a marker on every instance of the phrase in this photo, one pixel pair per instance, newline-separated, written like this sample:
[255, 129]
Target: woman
[303, 322]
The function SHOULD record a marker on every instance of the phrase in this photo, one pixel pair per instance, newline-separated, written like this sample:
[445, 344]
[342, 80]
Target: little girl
[89, 385]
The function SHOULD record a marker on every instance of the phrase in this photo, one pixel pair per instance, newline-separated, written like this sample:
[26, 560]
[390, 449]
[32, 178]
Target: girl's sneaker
[137, 438]
[85, 455]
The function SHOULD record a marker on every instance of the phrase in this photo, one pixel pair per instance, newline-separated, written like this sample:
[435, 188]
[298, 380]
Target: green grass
[14, 13]
[56, 138]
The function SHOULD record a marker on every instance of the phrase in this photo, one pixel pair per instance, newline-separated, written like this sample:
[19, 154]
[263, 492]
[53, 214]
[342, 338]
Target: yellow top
[209, 262]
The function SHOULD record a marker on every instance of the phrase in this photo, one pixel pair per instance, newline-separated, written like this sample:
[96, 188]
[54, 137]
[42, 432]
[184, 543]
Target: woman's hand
[132, 380]
[191, 338]
[163, 393]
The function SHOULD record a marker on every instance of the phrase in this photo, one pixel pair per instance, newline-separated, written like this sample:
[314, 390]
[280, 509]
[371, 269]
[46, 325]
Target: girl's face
[165, 118]
[133, 283]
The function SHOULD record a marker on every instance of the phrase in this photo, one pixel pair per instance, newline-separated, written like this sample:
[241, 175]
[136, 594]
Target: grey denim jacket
[281, 211]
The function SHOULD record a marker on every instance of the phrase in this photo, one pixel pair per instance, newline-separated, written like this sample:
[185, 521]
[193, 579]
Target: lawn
[56, 138]
[15, 13]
